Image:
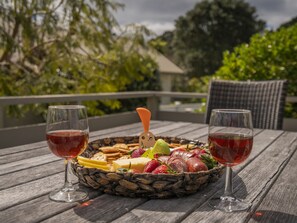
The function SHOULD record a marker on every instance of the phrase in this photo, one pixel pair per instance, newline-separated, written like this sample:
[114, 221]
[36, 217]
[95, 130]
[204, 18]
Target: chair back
[265, 99]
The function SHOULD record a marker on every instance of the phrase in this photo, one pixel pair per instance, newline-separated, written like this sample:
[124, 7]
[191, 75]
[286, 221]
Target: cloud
[159, 11]
[159, 28]
[275, 12]
[160, 15]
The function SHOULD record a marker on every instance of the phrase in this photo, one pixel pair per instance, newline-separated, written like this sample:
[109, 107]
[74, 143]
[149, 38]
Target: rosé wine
[67, 143]
[230, 149]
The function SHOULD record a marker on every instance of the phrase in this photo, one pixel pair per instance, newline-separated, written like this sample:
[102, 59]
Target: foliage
[65, 46]
[211, 27]
[151, 83]
[267, 57]
[163, 44]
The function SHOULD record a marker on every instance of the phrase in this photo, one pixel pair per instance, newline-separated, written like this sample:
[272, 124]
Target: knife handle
[145, 117]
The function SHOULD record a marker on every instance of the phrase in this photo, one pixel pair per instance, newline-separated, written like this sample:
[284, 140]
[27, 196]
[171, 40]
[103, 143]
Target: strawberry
[151, 165]
[137, 153]
[161, 169]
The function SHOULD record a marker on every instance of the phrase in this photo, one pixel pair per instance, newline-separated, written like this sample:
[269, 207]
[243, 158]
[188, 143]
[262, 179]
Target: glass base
[228, 204]
[68, 195]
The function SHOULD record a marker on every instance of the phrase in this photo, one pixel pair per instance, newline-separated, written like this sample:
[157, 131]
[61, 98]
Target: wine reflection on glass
[67, 134]
[230, 138]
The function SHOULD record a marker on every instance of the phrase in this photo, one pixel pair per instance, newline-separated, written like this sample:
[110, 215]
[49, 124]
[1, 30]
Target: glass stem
[67, 184]
[228, 192]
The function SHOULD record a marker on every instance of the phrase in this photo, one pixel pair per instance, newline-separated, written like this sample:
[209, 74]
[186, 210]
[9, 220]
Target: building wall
[166, 80]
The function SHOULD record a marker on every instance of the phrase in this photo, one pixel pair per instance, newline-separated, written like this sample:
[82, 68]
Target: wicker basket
[143, 184]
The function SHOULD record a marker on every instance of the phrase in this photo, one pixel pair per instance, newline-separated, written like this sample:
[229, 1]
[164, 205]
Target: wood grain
[40, 208]
[266, 179]
[27, 163]
[49, 168]
[24, 155]
[104, 208]
[37, 172]
[199, 198]
[17, 149]
[280, 203]
[253, 182]
[28, 191]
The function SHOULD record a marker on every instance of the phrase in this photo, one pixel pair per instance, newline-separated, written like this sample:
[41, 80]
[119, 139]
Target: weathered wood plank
[120, 129]
[280, 204]
[253, 182]
[191, 202]
[104, 208]
[259, 142]
[26, 147]
[162, 129]
[172, 126]
[27, 163]
[24, 155]
[43, 160]
[195, 134]
[169, 210]
[122, 200]
[192, 128]
[25, 192]
[30, 174]
[40, 209]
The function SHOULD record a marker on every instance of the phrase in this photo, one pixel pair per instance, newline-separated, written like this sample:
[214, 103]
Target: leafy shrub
[268, 56]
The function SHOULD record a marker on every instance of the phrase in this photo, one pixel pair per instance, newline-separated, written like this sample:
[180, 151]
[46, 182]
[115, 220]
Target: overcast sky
[159, 15]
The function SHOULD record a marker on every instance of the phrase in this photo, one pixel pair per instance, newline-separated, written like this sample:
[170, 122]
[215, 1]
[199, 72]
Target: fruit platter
[171, 167]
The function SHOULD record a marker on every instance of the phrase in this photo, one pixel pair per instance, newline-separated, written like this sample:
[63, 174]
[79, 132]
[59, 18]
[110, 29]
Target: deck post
[1, 116]
[153, 105]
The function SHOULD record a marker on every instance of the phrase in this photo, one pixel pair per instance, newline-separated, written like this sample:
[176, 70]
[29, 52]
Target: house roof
[165, 65]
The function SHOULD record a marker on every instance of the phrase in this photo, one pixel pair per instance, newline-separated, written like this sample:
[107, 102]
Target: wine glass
[67, 134]
[230, 138]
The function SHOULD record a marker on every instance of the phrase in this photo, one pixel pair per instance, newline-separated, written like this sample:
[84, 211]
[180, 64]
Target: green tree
[163, 44]
[210, 28]
[66, 46]
[268, 56]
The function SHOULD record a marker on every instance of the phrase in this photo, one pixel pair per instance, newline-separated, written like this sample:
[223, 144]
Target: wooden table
[268, 179]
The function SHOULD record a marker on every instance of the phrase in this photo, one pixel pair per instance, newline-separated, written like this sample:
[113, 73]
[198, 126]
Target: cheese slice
[92, 165]
[98, 162]
[135, 163]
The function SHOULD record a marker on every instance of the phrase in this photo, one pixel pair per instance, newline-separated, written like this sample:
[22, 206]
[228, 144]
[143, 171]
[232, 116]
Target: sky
[160, 15]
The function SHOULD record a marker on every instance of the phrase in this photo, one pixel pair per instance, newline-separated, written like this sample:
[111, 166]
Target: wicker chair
[265, 99]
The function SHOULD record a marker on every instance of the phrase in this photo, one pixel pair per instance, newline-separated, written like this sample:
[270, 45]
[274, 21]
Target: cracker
[99, 156]
[133, 144]
[108, 155]
[124, 151]
[109, 149]
[121, 146]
